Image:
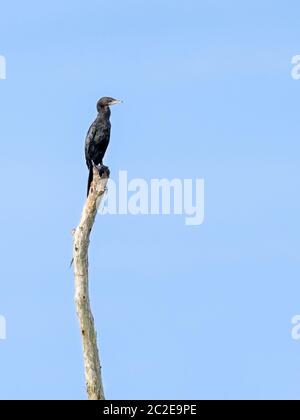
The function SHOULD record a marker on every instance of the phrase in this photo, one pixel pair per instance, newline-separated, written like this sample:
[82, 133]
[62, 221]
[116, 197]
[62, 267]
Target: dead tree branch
[91, 357]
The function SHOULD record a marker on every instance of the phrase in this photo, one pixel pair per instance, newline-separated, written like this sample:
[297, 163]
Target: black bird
[98, 137]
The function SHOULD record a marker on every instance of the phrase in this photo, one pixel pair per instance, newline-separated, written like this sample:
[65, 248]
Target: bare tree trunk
[91, 358]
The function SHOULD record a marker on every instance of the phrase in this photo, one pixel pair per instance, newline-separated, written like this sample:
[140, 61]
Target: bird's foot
[103, 170]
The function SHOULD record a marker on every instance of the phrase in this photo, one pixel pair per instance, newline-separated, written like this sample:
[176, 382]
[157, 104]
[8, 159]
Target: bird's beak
[116, 102]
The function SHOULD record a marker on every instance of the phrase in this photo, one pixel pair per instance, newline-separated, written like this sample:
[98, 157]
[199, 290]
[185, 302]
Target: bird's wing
[88, 141]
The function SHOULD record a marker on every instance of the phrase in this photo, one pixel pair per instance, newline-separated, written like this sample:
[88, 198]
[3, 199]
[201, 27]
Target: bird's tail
[90, 180]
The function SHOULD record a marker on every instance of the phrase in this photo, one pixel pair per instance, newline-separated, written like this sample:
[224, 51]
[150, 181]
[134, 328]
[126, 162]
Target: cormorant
[97, 139]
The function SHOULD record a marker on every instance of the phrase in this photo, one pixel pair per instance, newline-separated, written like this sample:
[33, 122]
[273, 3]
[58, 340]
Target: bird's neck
[104, 113]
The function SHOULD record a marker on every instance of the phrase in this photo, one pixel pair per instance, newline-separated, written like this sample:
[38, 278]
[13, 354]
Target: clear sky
[182, 312]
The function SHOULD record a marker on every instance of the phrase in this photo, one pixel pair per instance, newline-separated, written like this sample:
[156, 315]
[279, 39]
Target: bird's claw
[103, 170]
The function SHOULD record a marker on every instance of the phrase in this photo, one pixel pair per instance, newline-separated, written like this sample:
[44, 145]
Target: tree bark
[91, 357]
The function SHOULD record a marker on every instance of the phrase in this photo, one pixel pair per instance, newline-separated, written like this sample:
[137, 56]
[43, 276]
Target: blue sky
[182, 312]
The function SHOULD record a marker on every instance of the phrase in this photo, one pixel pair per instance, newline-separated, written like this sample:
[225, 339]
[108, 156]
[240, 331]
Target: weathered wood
[81, 235]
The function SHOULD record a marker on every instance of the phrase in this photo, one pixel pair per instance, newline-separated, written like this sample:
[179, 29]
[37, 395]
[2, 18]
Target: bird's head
[107, 101]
